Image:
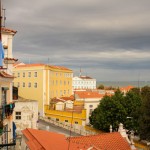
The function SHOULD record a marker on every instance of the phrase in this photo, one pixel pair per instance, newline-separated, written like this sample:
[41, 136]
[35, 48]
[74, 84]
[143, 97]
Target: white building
[84, 82]
[91, 101]
[25, 114]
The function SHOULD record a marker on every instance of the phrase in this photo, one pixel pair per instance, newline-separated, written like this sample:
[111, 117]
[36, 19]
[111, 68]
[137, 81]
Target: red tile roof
[104, 141]
[6, 58]
[5, 75]
[126, 88]
[44, 140]
[37, 65]
[59, 67]
[85, 77]
[88, 94]
[9, 30]
[29, 65]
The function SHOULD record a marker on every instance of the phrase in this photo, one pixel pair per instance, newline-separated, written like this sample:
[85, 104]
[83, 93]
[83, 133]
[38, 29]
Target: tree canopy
[116, 109]
[144, 121]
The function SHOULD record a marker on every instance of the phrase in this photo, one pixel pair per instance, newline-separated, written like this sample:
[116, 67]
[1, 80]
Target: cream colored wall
[91, 101]
[7, 39]
[30, 92]
[60, 83]
[48, 80]
[29, 114]
[7, 82]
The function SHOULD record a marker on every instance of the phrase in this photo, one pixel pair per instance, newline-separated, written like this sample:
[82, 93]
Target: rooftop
[88, 94]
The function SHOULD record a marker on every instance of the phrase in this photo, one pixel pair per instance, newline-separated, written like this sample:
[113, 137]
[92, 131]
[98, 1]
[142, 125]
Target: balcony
[8, 109]
[1, 127]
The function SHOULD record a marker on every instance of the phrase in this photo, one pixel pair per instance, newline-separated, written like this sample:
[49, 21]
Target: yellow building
[73, 117]
[67, 110]
[42, 82]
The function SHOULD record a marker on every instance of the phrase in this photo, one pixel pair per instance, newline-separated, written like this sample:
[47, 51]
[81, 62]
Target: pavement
[43, 125]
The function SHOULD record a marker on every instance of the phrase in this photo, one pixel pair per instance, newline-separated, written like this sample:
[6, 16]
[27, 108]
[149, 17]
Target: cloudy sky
[108, 39]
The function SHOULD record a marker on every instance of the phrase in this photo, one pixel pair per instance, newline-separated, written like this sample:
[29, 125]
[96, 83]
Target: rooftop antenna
[80, 72]
[0, 23]
[48, 61]
[4, 17]
[1, 45]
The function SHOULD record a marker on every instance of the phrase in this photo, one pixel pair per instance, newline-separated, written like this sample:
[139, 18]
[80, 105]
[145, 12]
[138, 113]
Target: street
[52, 128]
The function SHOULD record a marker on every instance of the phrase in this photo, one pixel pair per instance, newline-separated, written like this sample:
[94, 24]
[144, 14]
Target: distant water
[124, 83]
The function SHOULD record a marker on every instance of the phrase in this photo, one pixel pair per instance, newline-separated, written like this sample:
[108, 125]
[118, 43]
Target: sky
[108, 39]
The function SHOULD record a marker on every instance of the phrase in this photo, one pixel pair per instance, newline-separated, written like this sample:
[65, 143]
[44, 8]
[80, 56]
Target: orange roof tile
[40, 139]
[29, 65]
[126, 88]
[59, 67]
[36, 65]
[88, 94]
[45, 140]
[85, 77]
[104, 141]
[9, 30]
[5, 75]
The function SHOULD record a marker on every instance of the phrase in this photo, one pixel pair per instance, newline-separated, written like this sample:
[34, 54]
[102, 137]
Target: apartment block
[42, 82]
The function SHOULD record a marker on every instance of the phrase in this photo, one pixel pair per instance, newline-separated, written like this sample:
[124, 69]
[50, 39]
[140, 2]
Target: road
[50, 127]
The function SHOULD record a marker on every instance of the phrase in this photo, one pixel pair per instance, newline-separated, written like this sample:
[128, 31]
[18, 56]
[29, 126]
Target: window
[76, 122]
[57, 119]
[91, 106]
[60, 92]
[66, 120]
[23, 84]
[18, 115]
[35, 74]
[23, 74]
[64, 92]
[35, 85]
[90, 111]
[29, 84]
[18, 74]
[29, 74]
[18, 84]
[4, 96]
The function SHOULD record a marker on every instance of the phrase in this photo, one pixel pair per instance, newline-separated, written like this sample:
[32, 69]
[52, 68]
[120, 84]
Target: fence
[76, 128]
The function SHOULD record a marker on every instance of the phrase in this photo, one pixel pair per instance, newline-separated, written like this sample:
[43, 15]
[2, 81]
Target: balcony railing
[1, 127]
[9, 109]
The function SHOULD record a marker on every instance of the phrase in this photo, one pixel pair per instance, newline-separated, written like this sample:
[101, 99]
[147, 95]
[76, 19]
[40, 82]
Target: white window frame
[29, 84]
[35, 85]
[18, 115]
[23, 75]
[29, 74]
[35, 74]
[23, 84]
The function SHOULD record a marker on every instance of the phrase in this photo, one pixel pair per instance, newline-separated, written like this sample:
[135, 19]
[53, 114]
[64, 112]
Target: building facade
[42, 82]
[6, 81]
[83, 82]
[25, 114]
[90, 100]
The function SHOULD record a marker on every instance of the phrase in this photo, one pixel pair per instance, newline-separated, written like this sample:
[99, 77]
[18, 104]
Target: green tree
[101, 86]
[144, 121]
[115, 109]
[109, 112]
[132, 104]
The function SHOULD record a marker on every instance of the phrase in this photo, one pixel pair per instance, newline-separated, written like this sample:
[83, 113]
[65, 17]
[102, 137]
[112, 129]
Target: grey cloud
[69, 32]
